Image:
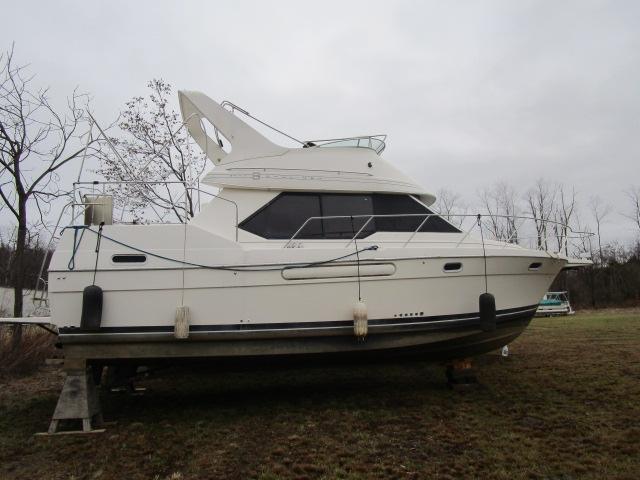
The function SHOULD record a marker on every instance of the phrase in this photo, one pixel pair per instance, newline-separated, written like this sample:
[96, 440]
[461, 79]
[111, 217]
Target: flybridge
[244, 158]
[245, 141]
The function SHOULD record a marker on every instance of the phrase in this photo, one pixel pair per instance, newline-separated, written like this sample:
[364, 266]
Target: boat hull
[303, 306]
[433, 338]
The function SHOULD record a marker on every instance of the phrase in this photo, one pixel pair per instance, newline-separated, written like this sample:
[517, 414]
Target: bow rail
[526, 231]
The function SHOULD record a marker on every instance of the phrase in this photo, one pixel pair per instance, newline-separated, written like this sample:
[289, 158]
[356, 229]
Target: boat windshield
[374, 142]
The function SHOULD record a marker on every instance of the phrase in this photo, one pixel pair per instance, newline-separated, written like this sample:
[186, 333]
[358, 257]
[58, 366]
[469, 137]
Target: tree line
[614, 282]
[614, 278]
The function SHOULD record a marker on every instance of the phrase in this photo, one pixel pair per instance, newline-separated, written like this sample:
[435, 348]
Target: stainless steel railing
[101, 188]
[77, 208]
[543, 231]
[373, 142]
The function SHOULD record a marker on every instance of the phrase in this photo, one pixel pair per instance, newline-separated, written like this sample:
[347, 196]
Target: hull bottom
[443, 343]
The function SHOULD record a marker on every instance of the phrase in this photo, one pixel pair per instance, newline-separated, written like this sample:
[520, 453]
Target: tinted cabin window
[284, 215]
[345, 204]
[398, 204]
[387, 204]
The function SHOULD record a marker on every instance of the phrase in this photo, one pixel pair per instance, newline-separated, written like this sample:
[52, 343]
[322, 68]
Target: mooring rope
[484, 255]
[95, 268]
[231, 268]
[355, 241]
[76, 244]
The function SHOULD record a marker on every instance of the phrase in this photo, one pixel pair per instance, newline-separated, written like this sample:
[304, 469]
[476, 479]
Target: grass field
[564, 405]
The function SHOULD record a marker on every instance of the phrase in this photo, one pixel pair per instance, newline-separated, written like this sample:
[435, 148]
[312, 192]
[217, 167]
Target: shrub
[36, 345]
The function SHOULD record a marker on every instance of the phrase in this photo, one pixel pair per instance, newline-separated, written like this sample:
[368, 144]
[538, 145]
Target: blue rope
[213, 267]
[76, 245]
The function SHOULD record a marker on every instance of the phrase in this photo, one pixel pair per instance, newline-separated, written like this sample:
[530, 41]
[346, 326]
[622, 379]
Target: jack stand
[119, 379]
[460, 375]
[78, 399]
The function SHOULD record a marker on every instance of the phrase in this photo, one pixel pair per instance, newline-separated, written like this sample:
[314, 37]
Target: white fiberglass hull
[411, 301]
[224, 299]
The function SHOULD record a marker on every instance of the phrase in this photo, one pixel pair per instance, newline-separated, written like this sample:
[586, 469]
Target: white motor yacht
[323, 249]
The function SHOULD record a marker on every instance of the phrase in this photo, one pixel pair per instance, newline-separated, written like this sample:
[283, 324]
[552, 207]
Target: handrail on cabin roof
[373, 142]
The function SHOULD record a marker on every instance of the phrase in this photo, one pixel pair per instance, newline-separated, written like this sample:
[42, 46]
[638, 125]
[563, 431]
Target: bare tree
[634, 196]
[564, 210]
[583, 242]
[501, 207]
[599, 211]
[153, 147]
[450, 206]
[36, 141]
[541, 202]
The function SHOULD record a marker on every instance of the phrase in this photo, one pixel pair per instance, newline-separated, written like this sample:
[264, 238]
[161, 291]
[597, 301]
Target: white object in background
[505, 351]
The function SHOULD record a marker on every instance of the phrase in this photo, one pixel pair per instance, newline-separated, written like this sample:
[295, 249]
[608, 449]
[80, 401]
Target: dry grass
[565, 406]
[36, 345]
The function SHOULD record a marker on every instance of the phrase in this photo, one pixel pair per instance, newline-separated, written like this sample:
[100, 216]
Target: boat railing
[511, 230]
[104, 188]
[373, 142]
[78, 205]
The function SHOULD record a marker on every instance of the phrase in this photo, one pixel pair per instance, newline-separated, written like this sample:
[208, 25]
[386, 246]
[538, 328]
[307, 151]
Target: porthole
[129, 258]
[535, 266]
[452, 267]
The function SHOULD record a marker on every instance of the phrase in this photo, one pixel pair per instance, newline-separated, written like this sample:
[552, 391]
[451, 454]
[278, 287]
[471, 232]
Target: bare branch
[449, 205]
[634, 197]
[153, 146]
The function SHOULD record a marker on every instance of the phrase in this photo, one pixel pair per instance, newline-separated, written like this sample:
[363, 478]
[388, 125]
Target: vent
[129, 258]
[452, 267]
[535, 266]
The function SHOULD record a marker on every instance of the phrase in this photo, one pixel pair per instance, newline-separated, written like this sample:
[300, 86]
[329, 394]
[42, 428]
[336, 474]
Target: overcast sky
[468, 92]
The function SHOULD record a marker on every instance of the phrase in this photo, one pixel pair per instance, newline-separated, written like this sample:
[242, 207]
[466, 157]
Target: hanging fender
[91, 316]
[487, 312]
[360, 320]
[91, 308]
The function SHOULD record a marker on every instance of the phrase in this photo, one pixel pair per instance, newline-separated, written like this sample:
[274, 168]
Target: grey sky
[468, 92]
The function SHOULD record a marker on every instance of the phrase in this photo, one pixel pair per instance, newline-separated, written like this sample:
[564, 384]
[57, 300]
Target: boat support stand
[78, 399]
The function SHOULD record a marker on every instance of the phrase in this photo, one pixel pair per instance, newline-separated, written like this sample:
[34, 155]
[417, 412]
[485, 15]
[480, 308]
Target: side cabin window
[288, 212]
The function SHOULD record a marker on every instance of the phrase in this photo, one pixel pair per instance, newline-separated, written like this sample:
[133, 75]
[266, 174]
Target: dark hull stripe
[434, 321]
